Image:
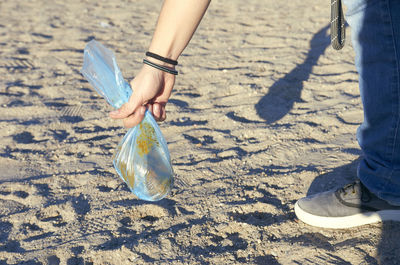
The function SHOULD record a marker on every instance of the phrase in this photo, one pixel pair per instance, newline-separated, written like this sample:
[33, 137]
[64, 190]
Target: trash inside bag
[142, 158]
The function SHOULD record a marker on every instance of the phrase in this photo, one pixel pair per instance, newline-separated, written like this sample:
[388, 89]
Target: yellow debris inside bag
[157, 175]
[128, 175]
[146, 139]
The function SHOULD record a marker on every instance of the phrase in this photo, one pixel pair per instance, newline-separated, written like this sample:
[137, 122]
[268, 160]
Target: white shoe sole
[346, 221]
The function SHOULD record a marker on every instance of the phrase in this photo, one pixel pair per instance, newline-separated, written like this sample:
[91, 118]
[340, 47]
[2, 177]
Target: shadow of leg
[335, 178]
[287, 90]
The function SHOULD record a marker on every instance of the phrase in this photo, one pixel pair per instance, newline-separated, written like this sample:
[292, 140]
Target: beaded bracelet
[162, 59]
[160, 67]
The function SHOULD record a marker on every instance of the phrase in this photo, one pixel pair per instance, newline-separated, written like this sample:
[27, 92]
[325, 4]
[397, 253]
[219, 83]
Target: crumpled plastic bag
[142, 158]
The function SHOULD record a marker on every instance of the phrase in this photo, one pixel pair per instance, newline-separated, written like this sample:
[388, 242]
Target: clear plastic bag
[142, 158]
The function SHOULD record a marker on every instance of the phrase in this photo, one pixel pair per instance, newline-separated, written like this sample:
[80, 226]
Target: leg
[376, 40]
[375, 28]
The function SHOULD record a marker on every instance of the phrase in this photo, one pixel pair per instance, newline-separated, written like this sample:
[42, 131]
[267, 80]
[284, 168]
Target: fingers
[150, 108]
[135, 118]
[158, 111]
[164, 115]
[124, 111]
[132, 119]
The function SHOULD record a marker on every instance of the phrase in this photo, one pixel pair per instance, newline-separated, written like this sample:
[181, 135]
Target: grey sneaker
[352, 205]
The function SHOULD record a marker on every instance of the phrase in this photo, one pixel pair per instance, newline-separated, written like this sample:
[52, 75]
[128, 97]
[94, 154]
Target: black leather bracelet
[160, 67]
[162, 59]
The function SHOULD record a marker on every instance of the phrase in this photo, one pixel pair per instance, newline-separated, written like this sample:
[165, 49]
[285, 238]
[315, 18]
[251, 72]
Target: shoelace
[365, 193]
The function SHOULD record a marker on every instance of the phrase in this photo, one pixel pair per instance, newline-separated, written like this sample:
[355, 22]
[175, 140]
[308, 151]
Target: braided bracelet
[160, 67]
[162, 59]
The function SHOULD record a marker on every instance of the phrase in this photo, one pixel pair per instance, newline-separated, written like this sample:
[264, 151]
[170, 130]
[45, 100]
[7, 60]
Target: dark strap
[338, 30]
[162, 59]
[160, 67]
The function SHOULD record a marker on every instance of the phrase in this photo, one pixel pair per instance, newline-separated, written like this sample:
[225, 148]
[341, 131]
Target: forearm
[176, 24]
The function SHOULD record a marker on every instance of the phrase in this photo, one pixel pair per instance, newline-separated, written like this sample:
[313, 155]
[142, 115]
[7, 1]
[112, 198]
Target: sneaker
[352, 205]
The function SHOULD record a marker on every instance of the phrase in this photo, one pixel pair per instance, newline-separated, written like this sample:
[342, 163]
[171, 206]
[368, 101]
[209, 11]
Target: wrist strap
[338, 27]
[162, 59]
[160, 67]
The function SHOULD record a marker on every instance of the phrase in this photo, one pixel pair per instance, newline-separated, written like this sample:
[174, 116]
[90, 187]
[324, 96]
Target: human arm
[176, 25]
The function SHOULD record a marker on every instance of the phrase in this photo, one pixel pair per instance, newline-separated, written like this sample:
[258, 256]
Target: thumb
[125, 110]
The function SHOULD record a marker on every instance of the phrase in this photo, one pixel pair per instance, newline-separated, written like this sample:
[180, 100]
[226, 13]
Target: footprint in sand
[17, 65]
[147, 212]
[71, 114]
[56, 215]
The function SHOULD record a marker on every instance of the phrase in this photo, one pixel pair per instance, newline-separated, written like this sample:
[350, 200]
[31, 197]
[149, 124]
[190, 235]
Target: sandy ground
[263, 113]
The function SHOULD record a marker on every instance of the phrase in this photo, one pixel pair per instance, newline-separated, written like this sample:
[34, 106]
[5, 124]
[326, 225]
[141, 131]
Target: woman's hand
[152, 89]
[176, 25]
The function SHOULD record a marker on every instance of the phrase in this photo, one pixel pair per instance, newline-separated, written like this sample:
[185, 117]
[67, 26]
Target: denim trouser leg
[375, 26]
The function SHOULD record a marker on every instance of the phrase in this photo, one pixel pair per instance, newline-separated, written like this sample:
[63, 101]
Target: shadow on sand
[287, 90]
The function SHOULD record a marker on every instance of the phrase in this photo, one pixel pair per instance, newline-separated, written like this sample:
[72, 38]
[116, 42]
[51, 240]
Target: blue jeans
[375, 26]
